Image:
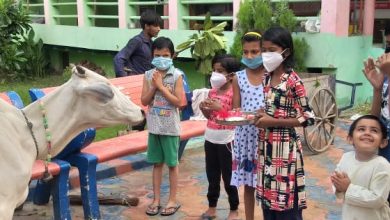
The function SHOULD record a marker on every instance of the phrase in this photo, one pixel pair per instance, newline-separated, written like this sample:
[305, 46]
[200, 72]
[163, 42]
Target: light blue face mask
[162, 63]
[253, 63]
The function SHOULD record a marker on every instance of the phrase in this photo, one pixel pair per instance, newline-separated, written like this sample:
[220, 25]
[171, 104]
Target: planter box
[314, 80]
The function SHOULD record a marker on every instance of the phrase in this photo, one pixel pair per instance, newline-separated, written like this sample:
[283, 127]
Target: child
[162, 91]
[380, 83]
[362, 177]
[218, 138]
[248, 95]
[281, 177]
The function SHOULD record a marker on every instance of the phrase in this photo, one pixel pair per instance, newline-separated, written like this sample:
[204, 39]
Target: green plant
[21, 56]
[253, 15]
[284, 16]
[205, 44]
[301, 49]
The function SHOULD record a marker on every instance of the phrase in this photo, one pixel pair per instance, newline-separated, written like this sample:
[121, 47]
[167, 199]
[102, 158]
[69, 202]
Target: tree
[205, 44]
[260, 15]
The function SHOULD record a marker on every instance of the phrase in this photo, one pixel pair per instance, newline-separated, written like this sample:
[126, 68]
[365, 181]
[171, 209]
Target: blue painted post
[59, 190]
[86, 163]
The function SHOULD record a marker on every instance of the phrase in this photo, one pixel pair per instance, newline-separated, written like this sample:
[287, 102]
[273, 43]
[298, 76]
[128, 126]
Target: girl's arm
[147, 92]
[175, 97]
[236, 93]
[203, 107]
[373, 197]
[376, 80]
[376, 102]
[305, 115]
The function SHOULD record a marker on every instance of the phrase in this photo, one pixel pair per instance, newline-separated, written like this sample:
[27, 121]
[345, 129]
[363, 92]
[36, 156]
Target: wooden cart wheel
[320, 136]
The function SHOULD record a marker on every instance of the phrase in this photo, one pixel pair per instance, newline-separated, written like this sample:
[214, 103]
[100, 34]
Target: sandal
[153, 210]
[206, 216]
[167, 211]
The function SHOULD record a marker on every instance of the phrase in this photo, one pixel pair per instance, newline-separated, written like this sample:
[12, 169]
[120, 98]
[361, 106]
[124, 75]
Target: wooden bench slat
[137, 142]
[39, 169]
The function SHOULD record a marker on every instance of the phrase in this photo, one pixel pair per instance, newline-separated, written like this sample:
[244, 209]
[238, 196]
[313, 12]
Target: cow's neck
[63, 122]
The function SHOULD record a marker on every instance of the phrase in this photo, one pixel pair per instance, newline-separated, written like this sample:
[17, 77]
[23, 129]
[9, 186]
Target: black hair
[163, 42]
[228, 62]
[387, 30]
[371, 117]
[281, 37]
[150, 17]
[251, 36]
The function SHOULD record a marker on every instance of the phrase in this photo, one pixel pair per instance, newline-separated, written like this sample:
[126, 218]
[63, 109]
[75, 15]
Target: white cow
[86, 100]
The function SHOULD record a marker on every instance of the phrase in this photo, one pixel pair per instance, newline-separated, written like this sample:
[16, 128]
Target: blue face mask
[253, 63]
[162, 63]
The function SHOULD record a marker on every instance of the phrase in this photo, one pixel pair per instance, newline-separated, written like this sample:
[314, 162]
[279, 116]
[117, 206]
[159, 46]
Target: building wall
[331, 51]
[343, 56]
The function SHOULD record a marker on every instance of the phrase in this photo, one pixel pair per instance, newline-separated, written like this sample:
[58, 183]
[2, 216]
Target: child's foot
[170, 209]
[153, 209]
[211, 213]
[233, 215]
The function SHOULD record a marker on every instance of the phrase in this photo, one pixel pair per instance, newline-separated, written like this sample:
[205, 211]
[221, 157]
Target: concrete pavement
[322, 204]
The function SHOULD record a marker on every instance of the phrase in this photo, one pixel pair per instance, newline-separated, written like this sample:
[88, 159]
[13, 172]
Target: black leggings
[292, 214]
[219, 161]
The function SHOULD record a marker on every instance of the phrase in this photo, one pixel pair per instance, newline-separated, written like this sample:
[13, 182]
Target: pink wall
[335, 17]
[46, 10]
[236, 7]
[368, 17]
[122, 13]
[173, 14]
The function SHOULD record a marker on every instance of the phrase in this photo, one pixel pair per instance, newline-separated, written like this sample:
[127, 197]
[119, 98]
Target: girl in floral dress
[248, 95]
[281, 176]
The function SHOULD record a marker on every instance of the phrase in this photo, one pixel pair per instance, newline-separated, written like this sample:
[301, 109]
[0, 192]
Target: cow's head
[100, 102]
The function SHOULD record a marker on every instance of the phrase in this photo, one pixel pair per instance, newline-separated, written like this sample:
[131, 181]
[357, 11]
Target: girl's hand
[263, 120]
[376, 79]
[212, 104]
[157, 80]
[340, 181]
[204, 106]
[383, 63]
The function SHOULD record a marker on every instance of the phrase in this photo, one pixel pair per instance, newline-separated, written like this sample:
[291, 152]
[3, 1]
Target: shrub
[21, 56]
[260, 15]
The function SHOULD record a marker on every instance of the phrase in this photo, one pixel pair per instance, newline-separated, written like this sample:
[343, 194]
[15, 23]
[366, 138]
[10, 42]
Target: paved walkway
[193, 188]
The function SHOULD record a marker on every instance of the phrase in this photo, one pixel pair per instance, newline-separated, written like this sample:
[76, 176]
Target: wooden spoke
[329, 110]
[320, 136]
[315, 128]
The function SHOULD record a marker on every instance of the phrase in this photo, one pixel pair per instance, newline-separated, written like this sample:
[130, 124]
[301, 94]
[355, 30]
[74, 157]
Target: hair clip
[253, 33]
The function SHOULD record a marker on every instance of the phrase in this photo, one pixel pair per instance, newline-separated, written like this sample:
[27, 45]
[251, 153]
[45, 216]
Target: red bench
[116, 147]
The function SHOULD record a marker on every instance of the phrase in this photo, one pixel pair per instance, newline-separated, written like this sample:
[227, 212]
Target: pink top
[226, 100]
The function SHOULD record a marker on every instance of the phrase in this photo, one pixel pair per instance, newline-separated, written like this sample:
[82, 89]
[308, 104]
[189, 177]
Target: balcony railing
[126, 13]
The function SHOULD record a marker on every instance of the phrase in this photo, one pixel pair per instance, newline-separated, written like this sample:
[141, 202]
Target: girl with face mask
[218, 137]
[248, 96]
[281, 176]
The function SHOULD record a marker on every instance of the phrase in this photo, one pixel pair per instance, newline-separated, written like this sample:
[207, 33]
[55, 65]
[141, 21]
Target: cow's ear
[79, 71]
[98, 91]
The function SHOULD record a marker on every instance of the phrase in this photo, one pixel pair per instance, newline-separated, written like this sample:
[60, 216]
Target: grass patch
[22, 87]
[361, 109]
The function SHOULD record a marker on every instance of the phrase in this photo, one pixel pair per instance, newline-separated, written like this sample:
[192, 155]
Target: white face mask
[217, 80]
[272, 60]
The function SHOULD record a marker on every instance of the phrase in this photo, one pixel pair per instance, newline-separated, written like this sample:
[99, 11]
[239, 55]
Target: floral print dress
[281, 176]
[245, 156]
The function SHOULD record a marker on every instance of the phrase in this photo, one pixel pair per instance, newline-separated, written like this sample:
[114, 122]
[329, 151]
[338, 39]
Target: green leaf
[207, 22]
[183, 46]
